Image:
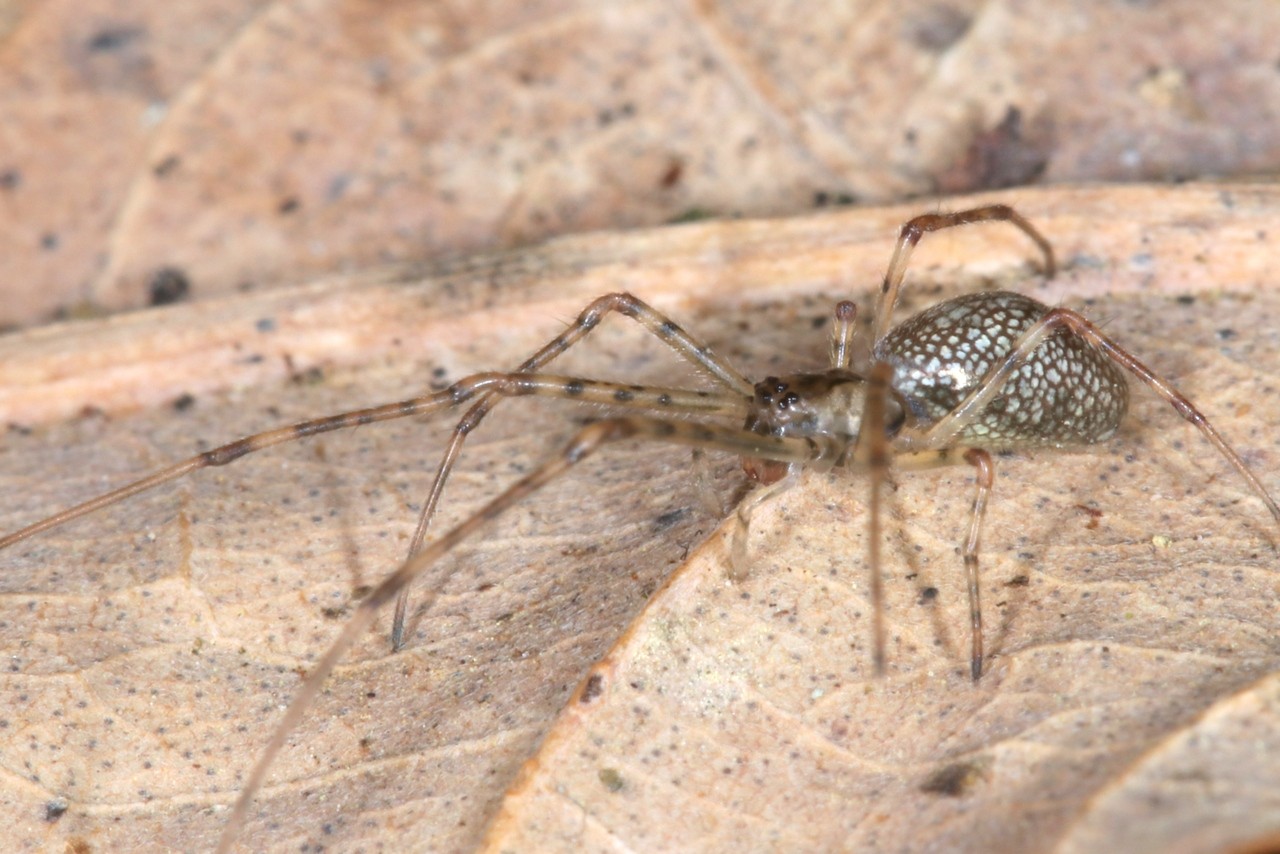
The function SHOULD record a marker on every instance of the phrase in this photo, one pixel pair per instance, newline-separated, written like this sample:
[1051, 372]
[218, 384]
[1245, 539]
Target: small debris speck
[612, 779]
[168, 285]
[954, 780]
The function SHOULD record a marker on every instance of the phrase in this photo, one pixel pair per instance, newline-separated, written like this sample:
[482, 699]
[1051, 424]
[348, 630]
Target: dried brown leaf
[150, 647]
[233, 144]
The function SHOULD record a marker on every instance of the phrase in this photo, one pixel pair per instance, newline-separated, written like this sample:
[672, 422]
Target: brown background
[244, 145]
[321, 175]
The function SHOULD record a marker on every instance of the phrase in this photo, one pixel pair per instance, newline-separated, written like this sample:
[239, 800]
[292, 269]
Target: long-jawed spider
[968, 376]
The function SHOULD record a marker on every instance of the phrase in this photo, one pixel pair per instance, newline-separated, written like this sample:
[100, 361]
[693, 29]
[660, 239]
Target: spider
[970, 375]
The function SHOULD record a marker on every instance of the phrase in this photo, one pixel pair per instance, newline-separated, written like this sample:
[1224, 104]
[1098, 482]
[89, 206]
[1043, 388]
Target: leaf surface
[152, 646]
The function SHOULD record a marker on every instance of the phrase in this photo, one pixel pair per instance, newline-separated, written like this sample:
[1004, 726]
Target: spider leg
[984, 481]
[916, 228]
[874, 443]
[676, 401]
[873, 450]
[701, 473]
[738, 562]
[945, 429]
[984, 478]
[584, 443]
[654, 321]
[843, 332]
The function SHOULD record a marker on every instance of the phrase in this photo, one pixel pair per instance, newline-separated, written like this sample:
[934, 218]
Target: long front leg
[917, 227]
[672, 400]
[655, 322]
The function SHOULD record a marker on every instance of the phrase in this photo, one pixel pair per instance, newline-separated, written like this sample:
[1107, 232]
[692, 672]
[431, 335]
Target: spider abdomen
[1066, 393]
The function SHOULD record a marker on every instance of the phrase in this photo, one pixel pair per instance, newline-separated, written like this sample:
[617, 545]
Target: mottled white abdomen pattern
[1067, 393]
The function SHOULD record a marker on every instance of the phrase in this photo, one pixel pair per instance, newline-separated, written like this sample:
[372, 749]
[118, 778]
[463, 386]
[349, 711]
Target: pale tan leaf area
[158, 148]
[542, 705]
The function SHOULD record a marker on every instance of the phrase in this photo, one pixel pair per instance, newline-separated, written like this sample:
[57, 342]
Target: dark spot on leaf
[109, 39]
[666, 520]
[671, 176]
[954, 780]
[166, 166]
[592, 688]
[168, 285]
[938, 27]
[612, 779]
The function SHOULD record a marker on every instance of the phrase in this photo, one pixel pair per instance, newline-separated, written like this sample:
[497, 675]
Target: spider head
[828, 405]
[820, 404]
